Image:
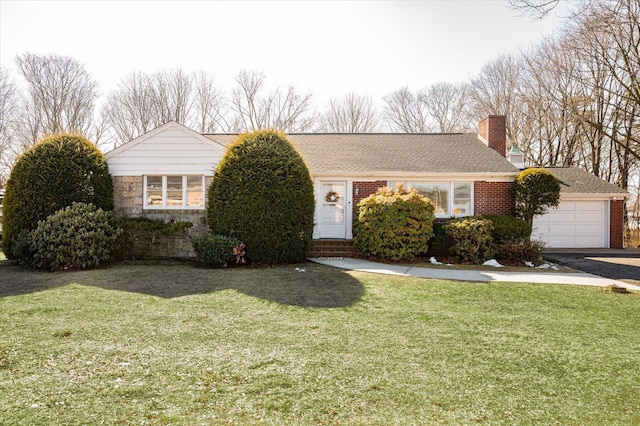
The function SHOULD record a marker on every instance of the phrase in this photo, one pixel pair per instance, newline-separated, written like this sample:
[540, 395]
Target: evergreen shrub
[394, 224]
[55, 173]
[507, 228]
[80, 236]
[518, 251]
[140, 233]
[472, 240]
[216, 250]
[262, 194]
[534, 191]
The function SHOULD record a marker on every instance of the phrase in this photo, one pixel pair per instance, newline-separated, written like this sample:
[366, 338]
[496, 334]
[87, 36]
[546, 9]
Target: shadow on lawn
[310, 285]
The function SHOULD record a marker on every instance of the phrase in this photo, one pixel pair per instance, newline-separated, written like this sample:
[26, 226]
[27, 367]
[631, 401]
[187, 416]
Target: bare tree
[495, 90]
[552, 97]
[351, 114]
[447, 106]
[536, 9]
[129, 109]
[539, 9]
[286, 110]
[8, 105]
[404, 112]
[208, 104]
[609, 37]
[142, 102]
[60, 96]
[171, 96]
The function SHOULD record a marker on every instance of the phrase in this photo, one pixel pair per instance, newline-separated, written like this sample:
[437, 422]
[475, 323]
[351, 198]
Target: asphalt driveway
[609, 263]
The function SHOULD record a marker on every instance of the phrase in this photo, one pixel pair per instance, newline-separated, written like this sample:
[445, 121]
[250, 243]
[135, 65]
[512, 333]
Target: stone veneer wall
[127, 195]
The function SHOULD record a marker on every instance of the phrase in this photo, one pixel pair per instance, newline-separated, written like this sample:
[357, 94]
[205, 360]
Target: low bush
[439, 244]
[394, 225]
[472, 240]
[140, 233]
[80, 236]
[518, 251]
[21, 246]
[218, 250]
[506, 228]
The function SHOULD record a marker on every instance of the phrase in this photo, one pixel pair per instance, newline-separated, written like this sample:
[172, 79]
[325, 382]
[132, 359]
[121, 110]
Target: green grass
[174, 344]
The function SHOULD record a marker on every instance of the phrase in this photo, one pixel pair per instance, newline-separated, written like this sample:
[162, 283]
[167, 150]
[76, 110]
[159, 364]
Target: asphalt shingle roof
[574, 180]
[380, 154]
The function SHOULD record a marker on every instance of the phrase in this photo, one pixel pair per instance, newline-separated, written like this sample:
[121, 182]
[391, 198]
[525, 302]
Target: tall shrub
[395, 225]
[262, 194]
[535, 190]
[58, 171]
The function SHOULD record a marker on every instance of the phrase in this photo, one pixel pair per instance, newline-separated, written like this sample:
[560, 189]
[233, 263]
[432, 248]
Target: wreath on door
[332, 197]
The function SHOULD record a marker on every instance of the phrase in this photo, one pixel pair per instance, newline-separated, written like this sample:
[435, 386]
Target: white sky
[327, 47]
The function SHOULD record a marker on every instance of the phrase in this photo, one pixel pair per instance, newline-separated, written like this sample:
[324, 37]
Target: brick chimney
[493, 132]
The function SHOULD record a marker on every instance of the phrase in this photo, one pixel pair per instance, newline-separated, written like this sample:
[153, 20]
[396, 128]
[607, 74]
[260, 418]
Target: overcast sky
[329, 48]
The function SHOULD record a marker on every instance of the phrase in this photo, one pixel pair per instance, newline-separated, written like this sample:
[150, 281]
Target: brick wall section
[492, 198]
[365, 189]
[493, 130]
[489, 197]
[331, 248]
[127, 196]
[616, 224]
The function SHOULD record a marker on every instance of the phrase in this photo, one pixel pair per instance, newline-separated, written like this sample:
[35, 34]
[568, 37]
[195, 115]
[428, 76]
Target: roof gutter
[484, 176]
[593, 196]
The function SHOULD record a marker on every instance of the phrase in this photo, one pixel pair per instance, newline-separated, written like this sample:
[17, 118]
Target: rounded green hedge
[58, 171]
[472, 238]
[534, 191]
[79, 236]
[395, 225]
[262, 194]
[216, 250]
[506, 228]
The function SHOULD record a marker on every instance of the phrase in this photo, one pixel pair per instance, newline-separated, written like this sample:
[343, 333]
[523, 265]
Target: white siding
[170, 151]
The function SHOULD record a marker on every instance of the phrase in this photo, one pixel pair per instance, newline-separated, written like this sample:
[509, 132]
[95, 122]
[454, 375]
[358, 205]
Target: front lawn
[175, 344]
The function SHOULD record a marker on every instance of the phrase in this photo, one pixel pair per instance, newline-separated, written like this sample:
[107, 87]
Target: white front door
[332, 202]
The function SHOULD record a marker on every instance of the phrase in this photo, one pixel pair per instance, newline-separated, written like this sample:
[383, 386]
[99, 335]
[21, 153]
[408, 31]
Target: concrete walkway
[577, 278]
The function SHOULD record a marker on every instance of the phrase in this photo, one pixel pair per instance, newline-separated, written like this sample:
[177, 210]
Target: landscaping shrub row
[400, 225]
[59, 199]
[59, 202]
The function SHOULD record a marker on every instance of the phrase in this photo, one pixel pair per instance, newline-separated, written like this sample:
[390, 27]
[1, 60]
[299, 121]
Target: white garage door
[573, 224]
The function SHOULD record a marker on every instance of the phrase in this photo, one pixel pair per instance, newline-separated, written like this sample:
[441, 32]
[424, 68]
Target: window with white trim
[174, 192]
[448, 198]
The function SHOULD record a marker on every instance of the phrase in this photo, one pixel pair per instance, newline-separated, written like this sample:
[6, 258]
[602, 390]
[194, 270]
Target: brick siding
[493, 198]
[616, 224]
[489, 197]
[493, 130]
[365, 189]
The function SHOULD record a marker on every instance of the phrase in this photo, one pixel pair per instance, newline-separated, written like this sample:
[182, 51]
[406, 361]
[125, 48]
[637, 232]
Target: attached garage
[574, 223]
[589, 214]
